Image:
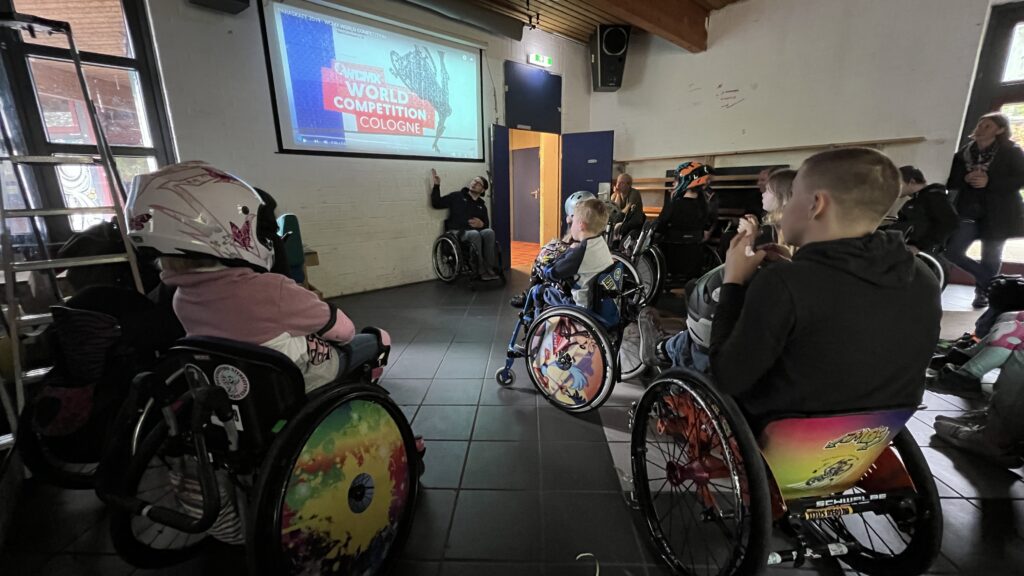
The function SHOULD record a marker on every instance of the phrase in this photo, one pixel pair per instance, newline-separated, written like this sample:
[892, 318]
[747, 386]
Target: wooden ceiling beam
[562, 26]
[582, 17]
[595, 13]
[548, 15]
[681, 22]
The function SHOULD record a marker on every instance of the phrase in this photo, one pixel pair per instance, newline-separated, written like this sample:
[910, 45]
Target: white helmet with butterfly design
[193, 209]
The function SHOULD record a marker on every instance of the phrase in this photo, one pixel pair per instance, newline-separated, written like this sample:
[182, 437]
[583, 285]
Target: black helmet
[701, 304]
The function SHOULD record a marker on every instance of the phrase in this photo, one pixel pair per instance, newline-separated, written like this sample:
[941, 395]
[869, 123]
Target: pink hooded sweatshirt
[265, 309]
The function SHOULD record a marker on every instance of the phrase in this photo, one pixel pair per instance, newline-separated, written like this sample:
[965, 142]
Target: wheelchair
[853, 486]
[322, 483]
[574, 355]
[453, 259]
[652, 265]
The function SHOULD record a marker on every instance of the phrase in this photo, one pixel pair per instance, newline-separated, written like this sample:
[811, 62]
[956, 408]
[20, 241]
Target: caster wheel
[505, 377]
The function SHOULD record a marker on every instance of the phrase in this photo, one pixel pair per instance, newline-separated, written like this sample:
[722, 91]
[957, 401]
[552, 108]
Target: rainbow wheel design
[338, 489]
[569, 358]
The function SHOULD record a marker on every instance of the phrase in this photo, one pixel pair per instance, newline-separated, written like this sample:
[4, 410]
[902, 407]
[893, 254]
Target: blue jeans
[991, 254]
[482, 240]
[683, 352]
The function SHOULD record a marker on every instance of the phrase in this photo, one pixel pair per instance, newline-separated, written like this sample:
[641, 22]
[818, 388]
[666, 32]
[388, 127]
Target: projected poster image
[353, 88]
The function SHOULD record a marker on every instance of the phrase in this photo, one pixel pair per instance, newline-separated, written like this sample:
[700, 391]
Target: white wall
[370, 220]
[799, 72]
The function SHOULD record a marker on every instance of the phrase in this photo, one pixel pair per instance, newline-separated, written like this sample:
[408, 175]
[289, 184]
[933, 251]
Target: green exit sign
[541, 60]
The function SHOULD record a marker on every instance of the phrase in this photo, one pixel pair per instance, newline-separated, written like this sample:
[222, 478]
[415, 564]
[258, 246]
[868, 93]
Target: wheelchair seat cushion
[820, 455]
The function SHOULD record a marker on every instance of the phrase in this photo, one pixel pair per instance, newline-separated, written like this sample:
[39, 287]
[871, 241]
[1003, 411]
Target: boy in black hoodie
[927, 217]
[850, 323]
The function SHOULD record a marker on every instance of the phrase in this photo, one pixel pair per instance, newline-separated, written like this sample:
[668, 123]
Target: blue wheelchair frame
[608, 330]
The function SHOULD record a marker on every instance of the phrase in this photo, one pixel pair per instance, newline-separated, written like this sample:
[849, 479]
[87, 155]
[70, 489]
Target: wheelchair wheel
[337, 489]
[712, 259]
[904, 543]
[699, 478]
[505, 377]
[447, 262]
[649, 266]
[569, 359]
[150, 475]
[935, 266]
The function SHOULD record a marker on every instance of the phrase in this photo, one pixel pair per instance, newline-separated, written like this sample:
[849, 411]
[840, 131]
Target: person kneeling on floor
[995, 432]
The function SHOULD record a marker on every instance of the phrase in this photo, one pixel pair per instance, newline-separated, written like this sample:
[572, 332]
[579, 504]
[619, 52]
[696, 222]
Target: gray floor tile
[444, 461]
[452, 568]
[624, 394]
[972, 476]
[975, 543]
[414, 568]
[607, 531]
[586, 567]
[615, 420]
[506, 423]
[502, 466]
[460, 391]
[406, 391]
[462, 367]
[444, 422]
[430, 526]
[496, 525]
[575, 466]
[558, 426]
[520, 393]
[415, 366]
[86, 565]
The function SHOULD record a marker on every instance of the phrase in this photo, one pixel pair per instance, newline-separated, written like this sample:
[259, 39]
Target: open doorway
[534, 193]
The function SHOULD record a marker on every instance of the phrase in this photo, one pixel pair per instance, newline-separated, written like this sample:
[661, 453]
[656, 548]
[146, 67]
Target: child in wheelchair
[553, 249]
[690, 347]
[804, 337]
[205, 225]
[574, 269]
[218, 271]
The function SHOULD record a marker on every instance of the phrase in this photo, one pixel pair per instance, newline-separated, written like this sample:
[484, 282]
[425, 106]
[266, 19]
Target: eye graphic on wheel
[360, 494]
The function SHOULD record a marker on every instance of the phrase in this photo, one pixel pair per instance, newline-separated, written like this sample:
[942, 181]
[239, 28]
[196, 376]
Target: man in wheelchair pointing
[467, 213]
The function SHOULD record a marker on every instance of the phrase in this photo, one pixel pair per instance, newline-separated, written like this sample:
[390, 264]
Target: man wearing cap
[467, 213]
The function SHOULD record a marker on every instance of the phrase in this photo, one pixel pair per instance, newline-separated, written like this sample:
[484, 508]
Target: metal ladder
[14, 321]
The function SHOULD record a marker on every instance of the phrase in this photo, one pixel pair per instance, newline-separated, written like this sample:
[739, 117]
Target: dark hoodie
[930, 218]
[849, 325]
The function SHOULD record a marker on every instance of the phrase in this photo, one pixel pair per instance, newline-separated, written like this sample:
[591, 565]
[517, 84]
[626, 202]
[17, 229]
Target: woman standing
[988, 174]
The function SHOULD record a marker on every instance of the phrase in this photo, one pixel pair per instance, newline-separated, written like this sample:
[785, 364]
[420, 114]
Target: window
[112, 37]
[999, 86]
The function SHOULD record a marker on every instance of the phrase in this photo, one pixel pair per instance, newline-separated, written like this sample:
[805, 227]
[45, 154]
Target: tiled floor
[516, 487]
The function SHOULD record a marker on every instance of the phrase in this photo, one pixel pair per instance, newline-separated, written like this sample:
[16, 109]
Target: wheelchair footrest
[798, 555]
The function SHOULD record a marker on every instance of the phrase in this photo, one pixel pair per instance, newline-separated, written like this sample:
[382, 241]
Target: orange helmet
[692, 175]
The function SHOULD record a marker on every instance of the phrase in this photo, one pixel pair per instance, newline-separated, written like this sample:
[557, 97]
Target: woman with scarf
[988, 174]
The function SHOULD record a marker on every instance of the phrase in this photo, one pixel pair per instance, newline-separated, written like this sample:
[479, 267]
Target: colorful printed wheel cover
[347, 493]
[568, 361]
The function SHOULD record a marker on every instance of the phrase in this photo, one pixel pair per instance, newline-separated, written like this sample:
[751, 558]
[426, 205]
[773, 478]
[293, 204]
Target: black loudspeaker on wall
[608, 56]
[229, 6]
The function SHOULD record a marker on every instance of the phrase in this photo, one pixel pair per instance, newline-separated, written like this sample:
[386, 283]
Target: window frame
[988, 91]
[143, 62]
